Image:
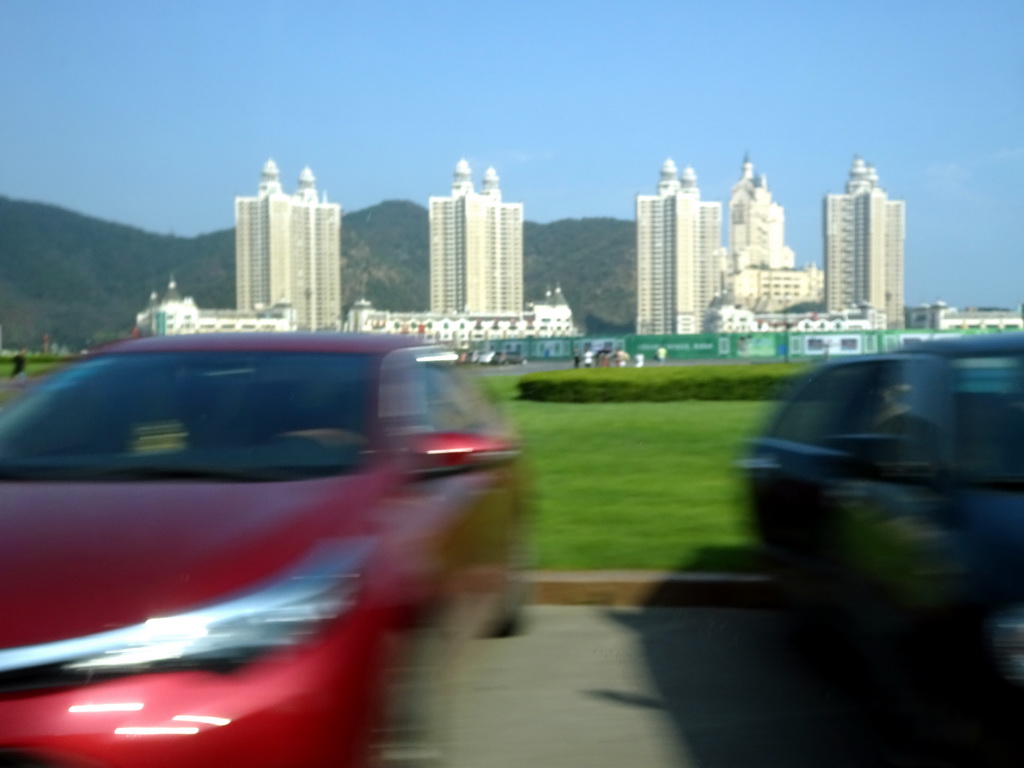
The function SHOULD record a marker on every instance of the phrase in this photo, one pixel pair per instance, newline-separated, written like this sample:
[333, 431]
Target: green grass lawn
[637, 485]
[632, 485]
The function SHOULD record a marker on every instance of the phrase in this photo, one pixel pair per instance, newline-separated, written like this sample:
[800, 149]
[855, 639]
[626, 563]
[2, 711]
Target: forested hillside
[594, 260]
[81, 280]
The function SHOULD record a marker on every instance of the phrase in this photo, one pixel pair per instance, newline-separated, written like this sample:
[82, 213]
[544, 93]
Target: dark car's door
[792, 466]
[894, 519]
[846, 481]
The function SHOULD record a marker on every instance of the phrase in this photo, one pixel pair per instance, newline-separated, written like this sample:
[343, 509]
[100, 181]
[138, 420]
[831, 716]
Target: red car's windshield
[230, 415]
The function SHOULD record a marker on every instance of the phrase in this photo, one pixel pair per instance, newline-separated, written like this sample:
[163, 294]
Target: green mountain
[385, 256]
[81, 281]
[594, 260]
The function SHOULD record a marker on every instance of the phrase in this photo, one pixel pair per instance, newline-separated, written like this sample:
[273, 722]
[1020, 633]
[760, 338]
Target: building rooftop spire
[491, 180]
[172, 291]
[688, 178]
[462, 181]
[270, 179]
[668, 183]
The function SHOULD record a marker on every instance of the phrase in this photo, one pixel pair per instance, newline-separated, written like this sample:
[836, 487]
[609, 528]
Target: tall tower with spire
[288, 250]
[756, 224]
[864, 237]
[476, 248]
[678, 249]
[761, 272]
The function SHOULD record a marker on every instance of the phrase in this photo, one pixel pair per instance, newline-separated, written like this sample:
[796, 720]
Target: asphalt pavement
[651, 669]
[606, 687]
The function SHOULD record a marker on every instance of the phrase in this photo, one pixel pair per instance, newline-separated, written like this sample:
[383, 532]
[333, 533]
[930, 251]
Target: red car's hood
[77, 559]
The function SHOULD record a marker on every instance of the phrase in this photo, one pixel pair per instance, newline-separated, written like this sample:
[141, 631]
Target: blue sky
[157, 114]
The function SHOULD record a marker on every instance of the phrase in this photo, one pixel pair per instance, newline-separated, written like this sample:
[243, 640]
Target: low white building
[174, 314]
[941, 317]
[735, 319]
[551, 318]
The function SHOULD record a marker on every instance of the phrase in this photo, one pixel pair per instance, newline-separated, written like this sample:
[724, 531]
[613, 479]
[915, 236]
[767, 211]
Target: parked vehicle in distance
[497, 357]
[505, 358]
[250, 550]
[511, 358]
[888, 492]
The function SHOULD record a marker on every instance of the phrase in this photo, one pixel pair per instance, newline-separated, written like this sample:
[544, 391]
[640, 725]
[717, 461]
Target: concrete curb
[655, 588]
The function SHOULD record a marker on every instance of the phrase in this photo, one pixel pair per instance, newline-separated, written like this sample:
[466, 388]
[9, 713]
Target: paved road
[594, 687]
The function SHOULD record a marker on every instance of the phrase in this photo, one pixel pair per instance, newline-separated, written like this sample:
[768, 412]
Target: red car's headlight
[283, 612]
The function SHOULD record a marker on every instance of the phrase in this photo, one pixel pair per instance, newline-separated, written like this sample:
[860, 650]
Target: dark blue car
[888, 494]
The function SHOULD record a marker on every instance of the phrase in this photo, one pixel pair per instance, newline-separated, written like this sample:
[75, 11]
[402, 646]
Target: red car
[249, 550]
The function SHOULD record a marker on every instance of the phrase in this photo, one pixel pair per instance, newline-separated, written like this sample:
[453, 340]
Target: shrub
[620, 385]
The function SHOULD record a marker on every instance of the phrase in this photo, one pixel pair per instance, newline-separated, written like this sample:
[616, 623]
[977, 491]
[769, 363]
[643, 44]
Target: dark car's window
[989, 400]
[884, 405]
[836, 400]
[225, 414]
[870, 408]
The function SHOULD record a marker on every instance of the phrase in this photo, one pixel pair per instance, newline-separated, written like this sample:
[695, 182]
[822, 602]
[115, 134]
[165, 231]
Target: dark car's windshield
[990, 418]
[215, 415]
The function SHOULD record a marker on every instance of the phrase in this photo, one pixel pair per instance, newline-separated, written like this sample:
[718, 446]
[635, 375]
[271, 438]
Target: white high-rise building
[762, 276]
[679, 253]
[864, 234]
[476, 248]
[288, 250]
[756, 225]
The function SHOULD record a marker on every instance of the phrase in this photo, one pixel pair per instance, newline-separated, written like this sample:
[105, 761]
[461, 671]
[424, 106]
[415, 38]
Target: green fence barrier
[771, 346]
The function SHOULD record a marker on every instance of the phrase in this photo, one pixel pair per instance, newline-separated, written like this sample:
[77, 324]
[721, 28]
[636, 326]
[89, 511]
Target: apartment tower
[288, 251]
[864, 234]
[476, 248]
[679, 250]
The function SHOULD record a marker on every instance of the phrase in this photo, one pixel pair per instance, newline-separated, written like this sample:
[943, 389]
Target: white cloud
[968, 180]
[949, 178]
[1006, 153]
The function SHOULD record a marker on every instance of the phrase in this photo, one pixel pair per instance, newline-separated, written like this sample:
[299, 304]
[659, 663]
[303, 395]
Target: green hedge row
[655, 384]
[33, 357]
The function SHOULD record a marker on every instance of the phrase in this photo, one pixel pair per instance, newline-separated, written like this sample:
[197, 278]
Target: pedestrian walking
[18, 372]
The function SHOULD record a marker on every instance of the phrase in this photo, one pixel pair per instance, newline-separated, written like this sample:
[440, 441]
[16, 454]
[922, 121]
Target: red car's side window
[454, 404]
